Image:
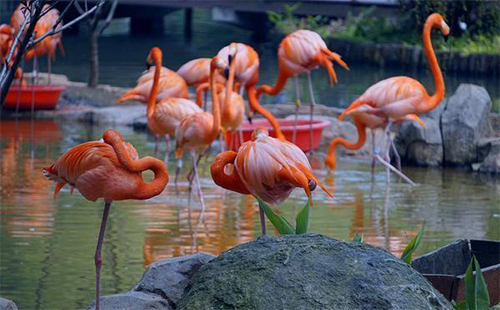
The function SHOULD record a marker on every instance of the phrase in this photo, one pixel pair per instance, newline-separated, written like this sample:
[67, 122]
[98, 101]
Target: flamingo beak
[250, 119]
[148, 65]
[226, 72]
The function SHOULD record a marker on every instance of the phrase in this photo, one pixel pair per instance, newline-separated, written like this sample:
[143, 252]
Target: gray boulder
[489, 154]
[309, 272]
[6, 304]
[419, 146]
[161, 286]
[464, 122]
[169, 278]
[132, 301]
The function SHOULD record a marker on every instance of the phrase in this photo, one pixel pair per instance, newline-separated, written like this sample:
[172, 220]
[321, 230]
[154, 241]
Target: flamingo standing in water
[108, 169]
[363, 121]
[267, 168]
[397, 97]
[197, 131]
[247, 74]
[164, 116]
[300, 52]
[170, 85]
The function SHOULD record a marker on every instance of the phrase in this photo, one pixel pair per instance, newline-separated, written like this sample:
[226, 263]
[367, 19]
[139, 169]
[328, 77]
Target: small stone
[6, 304]
[132, 300]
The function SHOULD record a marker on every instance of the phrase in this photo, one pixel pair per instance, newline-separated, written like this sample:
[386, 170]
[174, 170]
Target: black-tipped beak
[229, 59]
[226, 73]
[250, 120]
[148, 65]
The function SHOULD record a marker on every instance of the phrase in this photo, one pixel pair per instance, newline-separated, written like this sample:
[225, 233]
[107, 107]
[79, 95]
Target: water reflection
[47, 246]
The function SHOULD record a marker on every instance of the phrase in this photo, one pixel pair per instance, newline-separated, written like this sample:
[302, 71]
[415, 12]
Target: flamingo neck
[230, 181]
[353, 146]
[144, 190]
[255, 105]
[157, 58]
[278, 86]
[230, 85]
[215, 106]
[439, 87]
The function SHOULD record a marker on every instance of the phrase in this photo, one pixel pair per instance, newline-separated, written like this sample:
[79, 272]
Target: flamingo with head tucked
[300, 52]
[108, 169]
[395, 98]
[247, 74]
[267, 168]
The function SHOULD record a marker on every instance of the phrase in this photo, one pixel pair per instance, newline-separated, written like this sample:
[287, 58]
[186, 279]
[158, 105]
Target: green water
[47, 246]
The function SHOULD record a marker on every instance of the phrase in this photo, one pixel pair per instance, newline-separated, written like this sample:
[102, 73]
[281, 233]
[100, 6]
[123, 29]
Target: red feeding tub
[45, 97]
[286, 125]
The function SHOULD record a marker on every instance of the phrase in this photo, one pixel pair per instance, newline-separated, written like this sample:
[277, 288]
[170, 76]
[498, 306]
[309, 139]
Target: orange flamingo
[300, 52]
[164, 116]
[247, 74]
[170, 85]
[198, 130]
[396, 97]
[267, 168]
[108, 169]
[363, 121]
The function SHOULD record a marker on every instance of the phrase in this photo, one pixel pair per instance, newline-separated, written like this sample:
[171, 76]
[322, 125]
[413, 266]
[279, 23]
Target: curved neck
[436, 71]
[230, 84]
[231, 181]
[278, 86]
[215, 105]
[144, 190]
[255, 105]
[156, 80]
[353, 146]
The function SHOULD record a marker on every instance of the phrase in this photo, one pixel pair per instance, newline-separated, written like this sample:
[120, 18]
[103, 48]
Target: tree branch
[111, 13]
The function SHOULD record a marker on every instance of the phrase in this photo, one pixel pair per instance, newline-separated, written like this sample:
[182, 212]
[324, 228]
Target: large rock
[489, 154]
[309, 272]
[6, 304]
[419, 146]
[169, 278]
[464, 122]
[132, 300]
[161, 286]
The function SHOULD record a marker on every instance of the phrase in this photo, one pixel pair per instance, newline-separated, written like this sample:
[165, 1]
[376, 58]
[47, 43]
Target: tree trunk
[94, 58]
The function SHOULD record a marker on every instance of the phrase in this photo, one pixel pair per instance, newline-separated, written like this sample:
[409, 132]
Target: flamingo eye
[228, 169]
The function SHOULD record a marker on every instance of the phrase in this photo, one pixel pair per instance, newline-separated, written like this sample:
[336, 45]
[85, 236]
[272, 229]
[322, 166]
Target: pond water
[47, 246]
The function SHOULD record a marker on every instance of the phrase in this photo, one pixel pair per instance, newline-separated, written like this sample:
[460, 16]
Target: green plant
[477, 296]
[412, 246]
[358, 238]
[282, 225]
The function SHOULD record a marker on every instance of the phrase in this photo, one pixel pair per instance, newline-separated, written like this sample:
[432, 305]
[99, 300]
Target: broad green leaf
[302, 220]
[481, 289]
[412, 246]
[470, 298]
[279, 222]
[460, 306]
[358, 238]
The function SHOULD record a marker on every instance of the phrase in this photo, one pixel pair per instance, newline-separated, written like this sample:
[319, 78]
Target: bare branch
[66, 26]
[79, 8]
[59, 20]
[111, 13]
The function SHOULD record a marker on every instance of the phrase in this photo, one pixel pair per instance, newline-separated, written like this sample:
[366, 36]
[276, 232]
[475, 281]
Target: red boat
[286, 125]
[43, 97]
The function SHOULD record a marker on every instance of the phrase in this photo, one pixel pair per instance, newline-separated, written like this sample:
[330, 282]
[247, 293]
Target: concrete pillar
[188, 23]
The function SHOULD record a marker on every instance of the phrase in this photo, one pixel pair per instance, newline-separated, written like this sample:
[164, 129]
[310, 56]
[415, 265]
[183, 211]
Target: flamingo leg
[157, 139]
[169, 147]
[178, 170]
[396, 155]
[391, 168]
[262, 221]
[49, 69]
[240, 132]
[374, 160]
[205, 103]
[198, 184]
[202, 154]
[297, 105]
[97, 257]
[313, 103]
[387, 149]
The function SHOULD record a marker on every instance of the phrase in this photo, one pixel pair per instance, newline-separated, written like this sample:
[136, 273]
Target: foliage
[282, 225]
[358, 238]
[476, 291]
[474, 24]
[412, 246]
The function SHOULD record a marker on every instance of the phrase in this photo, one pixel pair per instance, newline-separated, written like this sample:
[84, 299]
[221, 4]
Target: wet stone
[6, 304]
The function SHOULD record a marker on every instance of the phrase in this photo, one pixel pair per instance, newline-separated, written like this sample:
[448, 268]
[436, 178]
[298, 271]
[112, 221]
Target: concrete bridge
[147, 15]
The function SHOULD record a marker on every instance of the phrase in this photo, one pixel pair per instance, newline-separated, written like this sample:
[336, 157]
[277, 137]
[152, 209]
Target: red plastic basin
[45, 97]
[286, 125]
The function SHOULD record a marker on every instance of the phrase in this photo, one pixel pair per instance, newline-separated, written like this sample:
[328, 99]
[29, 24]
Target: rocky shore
[460, 132]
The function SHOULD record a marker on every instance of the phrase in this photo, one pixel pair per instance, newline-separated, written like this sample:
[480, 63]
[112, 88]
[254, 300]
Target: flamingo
[363, 121]
[267, 168]
[164, 116]
[196, 72]
[108, 169]
[198, 130]
[247, 74]
[300, 52]
[170, 85]
[396, 97]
